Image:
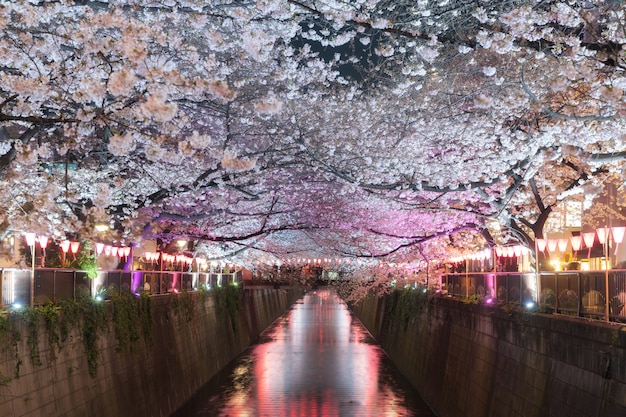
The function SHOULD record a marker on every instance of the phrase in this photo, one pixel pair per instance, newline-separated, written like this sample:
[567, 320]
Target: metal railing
[595, 294]
[53, 285]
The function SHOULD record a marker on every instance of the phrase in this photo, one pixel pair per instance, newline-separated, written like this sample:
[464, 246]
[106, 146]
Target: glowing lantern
[563, 244]
[43, 241]
[30, 238]
[603, 234]
[99, 248]
[552, 244]
[576, 243]
[541, 244]
[65, 246]
[588, 238]
[74, 247]
[618, 234]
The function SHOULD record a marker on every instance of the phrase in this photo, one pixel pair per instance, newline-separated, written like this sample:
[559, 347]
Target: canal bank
[478, 360]
[191, 337]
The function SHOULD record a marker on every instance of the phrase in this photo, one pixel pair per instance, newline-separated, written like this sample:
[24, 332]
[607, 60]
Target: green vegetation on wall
[406, 303]
[183, 304]
[228, 301]
[130, 317]
[10, 336]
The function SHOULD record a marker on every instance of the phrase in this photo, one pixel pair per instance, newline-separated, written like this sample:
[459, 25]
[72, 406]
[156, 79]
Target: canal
[316, 360]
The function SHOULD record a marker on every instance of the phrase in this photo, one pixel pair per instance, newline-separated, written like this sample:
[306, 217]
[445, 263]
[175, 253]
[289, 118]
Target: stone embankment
[475, 360]
[188, 338]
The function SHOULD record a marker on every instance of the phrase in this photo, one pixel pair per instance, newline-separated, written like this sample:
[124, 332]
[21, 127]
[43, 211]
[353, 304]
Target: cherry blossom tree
[372, 130]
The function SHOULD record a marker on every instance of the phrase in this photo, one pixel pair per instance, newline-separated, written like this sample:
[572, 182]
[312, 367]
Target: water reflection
[317, 360]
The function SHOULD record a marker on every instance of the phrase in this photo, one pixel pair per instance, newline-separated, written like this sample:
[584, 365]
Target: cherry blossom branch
[557, 115]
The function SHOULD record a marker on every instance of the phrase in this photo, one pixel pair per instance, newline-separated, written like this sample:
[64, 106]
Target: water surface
[316, 360]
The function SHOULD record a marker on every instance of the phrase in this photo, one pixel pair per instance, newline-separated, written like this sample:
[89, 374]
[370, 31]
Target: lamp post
[30, 241]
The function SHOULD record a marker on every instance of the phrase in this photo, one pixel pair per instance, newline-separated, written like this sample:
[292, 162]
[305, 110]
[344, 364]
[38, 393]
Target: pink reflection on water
[320, 362]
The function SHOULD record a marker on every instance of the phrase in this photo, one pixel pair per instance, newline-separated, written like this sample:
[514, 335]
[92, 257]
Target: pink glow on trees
[307, 127]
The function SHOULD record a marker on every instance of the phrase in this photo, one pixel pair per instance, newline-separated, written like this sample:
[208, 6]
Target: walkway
[316, 360]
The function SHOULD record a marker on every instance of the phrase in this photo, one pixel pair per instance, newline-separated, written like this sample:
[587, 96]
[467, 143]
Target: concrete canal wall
[470, 360]
[191, 339]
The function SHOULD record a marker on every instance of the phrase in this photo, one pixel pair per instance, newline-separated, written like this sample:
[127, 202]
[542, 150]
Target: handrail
[596, 294]
[52, 284]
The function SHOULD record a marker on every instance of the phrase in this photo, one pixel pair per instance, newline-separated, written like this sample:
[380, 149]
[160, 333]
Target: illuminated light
[576, 242]
[30, 238]
[510, 250]
[517, 250]
[181, 243]
[530, 305]
[107, 250]
[556, 264]
[603, 234]
[541, 244]
[588, 238]
[74, 247]
[17, 306]
[127, 251]
[98, 298]
[101, 227]
[563, 244]
[114, 251]
[499, 251]
[618, 233]
[65, 246]
[488, 300]
[552, 244]
[43, 241]
[99, 248]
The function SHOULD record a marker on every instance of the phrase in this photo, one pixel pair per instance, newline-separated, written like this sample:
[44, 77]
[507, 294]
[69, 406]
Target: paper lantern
[541, 244]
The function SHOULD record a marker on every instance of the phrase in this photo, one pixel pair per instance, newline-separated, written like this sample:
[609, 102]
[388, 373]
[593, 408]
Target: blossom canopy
[315, 128]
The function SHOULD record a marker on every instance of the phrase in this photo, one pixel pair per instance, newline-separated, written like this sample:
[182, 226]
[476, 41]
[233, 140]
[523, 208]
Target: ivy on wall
[129, 316]
[85, 315]
[10, 336]
[228, 301]
[183, 304]
[406, 303]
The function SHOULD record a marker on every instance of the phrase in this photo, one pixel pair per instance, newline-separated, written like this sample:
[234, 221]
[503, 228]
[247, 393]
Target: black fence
[595, 294]
[52, 285]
